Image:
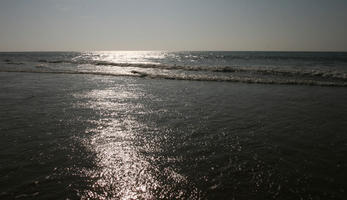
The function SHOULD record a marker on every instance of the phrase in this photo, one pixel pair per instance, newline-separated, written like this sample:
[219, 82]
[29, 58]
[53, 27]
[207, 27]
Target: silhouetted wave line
[341, 57]
[193, 77]
[222, 69]
[242, 80]
[67, 72]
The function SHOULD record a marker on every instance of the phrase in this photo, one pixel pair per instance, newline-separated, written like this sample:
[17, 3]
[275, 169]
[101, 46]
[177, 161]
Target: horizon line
[289, 51]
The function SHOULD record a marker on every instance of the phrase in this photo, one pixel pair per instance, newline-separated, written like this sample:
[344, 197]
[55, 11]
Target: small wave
[221, 69]
[284, 57]
[67, 72]
[10, 62]
[141, 74]
[241, 79]
[54, 61]
[15, 63]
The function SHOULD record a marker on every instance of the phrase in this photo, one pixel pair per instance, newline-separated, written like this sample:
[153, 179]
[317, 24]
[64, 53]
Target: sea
[173, 125]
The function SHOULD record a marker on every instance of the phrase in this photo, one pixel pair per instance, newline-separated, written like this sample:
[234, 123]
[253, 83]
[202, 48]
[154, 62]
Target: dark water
[90, 135]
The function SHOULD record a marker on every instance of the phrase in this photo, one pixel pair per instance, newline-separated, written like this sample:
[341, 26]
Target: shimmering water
[89, 135]
[296, 68]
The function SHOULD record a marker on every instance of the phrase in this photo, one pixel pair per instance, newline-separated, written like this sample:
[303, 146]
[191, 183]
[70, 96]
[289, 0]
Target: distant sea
[173, 125]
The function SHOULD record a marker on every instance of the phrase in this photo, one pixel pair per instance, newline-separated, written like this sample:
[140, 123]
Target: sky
[228, 25]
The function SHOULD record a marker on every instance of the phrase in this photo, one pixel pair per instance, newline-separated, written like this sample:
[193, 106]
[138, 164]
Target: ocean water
[173, 125]
[301, 68]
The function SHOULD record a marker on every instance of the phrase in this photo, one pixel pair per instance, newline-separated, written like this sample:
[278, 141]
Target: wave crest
[141, 74]
[222, 69]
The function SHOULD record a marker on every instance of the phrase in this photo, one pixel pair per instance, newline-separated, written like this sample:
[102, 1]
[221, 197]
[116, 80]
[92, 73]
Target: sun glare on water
[122, 171]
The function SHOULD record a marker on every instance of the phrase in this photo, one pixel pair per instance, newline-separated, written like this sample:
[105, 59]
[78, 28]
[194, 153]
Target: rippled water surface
[293, 68]
[91, 136]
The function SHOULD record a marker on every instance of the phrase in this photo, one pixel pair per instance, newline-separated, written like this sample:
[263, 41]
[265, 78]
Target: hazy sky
[289, 25]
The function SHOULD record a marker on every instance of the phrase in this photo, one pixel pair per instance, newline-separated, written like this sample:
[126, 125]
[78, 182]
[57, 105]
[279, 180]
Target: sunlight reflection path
[133, 57]
[121, 171]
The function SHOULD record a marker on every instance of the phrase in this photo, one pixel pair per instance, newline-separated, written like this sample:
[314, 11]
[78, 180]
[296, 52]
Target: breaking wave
[222, 69]
[192, 77]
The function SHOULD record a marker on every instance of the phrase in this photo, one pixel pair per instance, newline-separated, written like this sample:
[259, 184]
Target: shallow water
[87, 136]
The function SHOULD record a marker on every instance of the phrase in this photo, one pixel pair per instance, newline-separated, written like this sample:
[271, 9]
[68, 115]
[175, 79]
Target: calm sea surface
[173, 125]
